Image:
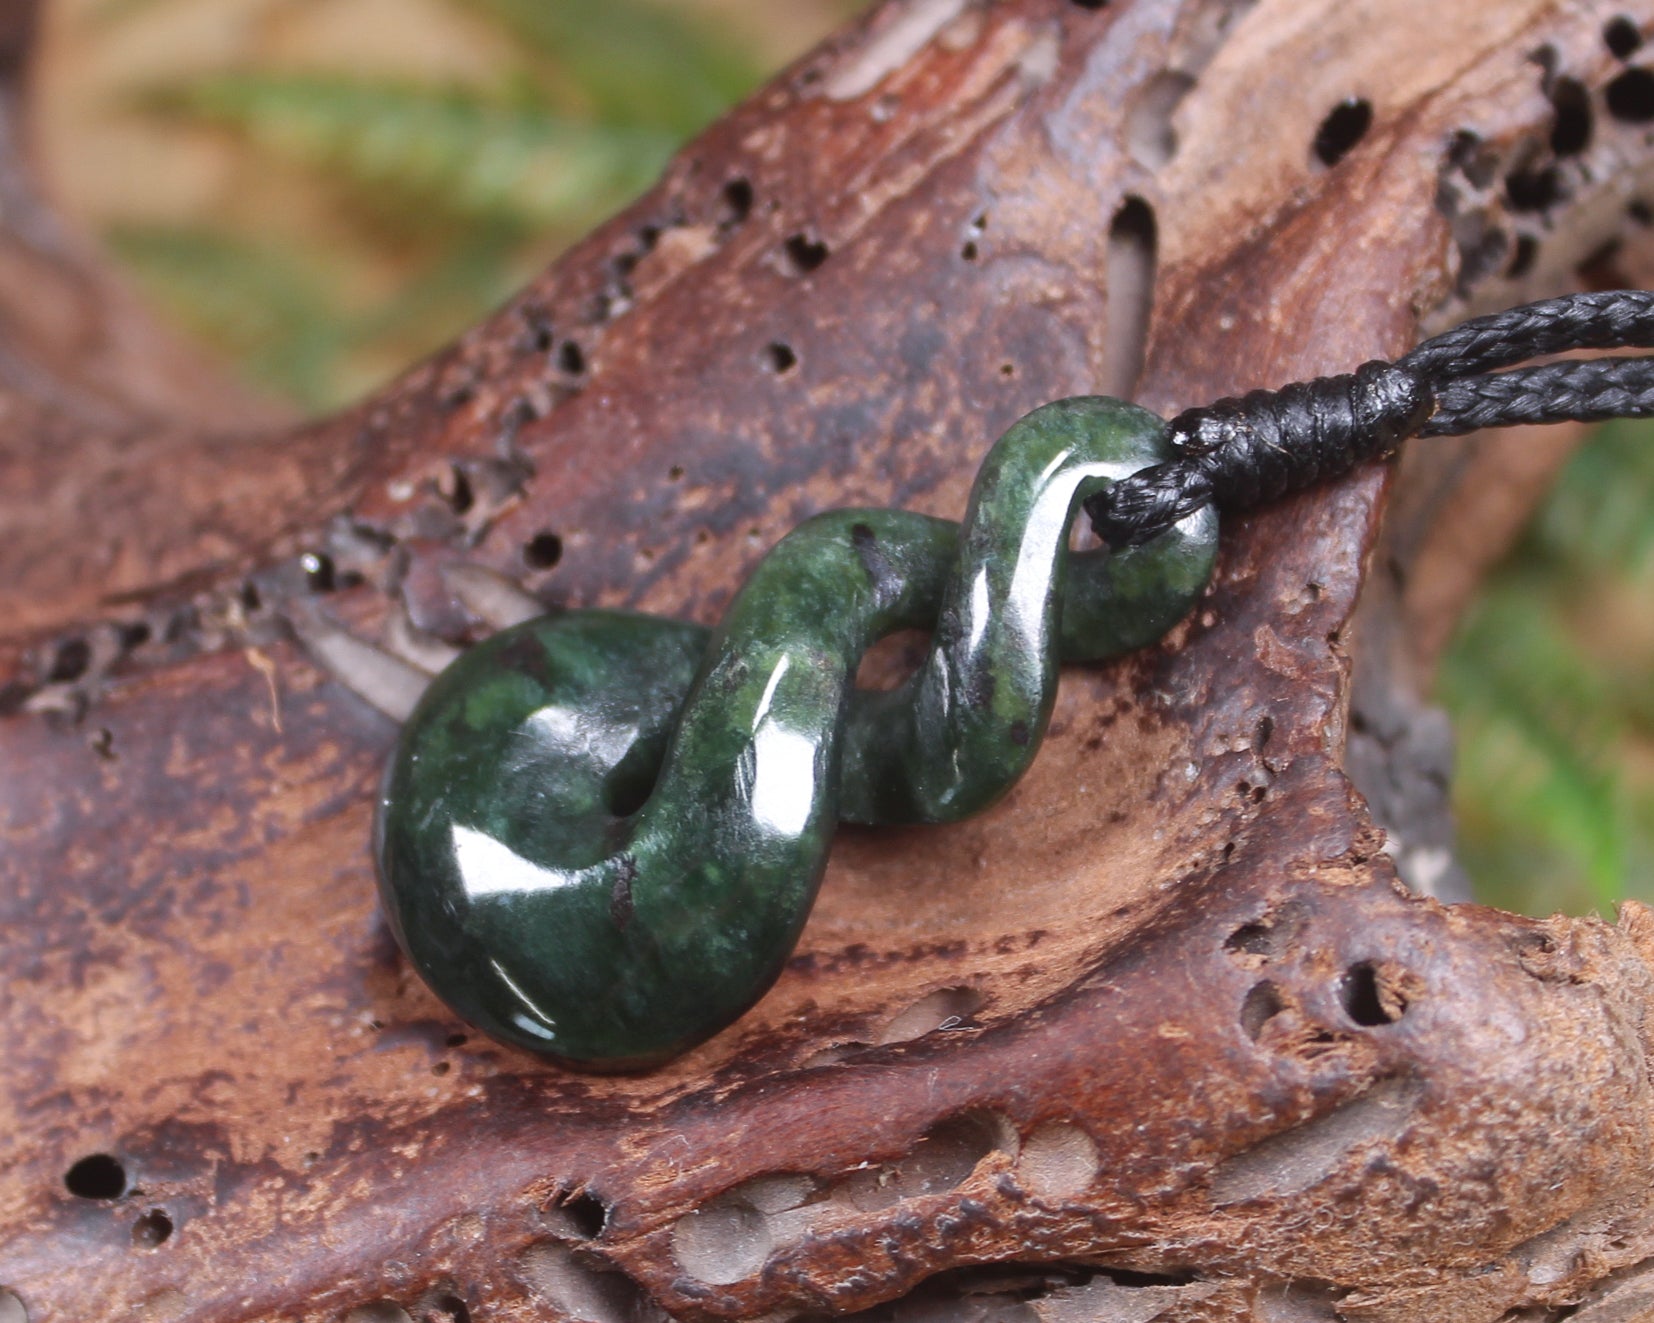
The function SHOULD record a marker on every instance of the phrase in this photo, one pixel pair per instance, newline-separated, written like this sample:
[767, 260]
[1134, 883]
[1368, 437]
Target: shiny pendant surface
[601, 833]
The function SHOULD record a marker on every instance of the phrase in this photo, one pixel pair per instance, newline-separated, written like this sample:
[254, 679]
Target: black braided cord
[1607, 319]
[1584, 392]
[1240, 453]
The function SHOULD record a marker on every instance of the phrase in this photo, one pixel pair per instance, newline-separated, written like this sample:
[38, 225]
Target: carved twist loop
[602, 833]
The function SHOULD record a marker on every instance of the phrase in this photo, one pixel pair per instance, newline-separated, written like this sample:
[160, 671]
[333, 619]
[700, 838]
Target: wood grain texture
[1160, 1037]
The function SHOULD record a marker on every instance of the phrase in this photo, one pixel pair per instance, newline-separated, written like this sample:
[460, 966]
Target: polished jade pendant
[602, 833]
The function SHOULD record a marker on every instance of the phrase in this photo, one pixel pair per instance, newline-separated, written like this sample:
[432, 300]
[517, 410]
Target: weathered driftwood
[1161, 1037]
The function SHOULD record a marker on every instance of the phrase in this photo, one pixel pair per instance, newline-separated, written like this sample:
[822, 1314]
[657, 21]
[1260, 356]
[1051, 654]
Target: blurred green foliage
[1551, 681]
[1551, 687]
[477, 185]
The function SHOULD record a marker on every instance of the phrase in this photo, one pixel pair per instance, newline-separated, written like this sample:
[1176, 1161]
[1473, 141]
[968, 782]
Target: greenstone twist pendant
[602, 832]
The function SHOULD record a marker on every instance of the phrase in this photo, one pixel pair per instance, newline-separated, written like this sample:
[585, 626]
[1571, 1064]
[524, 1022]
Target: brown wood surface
[1159, 1038]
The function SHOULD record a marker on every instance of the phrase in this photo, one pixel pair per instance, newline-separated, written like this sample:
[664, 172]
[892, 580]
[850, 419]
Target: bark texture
[1161, 1037]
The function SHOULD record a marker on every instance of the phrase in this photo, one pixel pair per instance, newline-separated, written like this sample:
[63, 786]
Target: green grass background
[473, 184]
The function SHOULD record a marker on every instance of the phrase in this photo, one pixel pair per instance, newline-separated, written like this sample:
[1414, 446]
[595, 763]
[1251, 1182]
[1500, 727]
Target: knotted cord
[1243, 452]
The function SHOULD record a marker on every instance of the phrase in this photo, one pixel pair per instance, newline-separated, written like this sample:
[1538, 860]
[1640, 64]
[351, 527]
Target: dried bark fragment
[1157, 1038]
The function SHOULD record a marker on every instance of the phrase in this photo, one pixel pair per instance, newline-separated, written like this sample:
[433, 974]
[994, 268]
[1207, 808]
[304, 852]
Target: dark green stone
[602, 833]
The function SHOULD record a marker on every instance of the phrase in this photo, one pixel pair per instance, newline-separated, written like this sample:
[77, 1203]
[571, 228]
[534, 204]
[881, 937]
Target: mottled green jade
[602, 832]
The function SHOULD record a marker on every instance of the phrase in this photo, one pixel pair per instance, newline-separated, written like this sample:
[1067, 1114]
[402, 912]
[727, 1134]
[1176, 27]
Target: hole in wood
[318, 570]
[1130, 266]
[542, 335]
[1523, 256]
[1263, 1002]
[1151, 136]
[804, 254]
[1058, 1159]
[1483, 249]
[725, 1242]
[943, 1159]
[778, 1192]
[1346, 124]
[1476, 160]
[571, 358]
[1630, 96]
[580, 1215]
[584, 1290]
[1131, 1278]
[1532, 189]
[543, 551]
[70, 661]
[1251, 939]
[153, 1229]
[1622, 37]
[834, 1053]
[780, 359]
[1301, 1157]
[98, 1176]
[1268, 937]
[1370, 999]
[446, 1308]
[944, 1009]
[12, 1309]
[737, 201]
[455, 489]
[1571, 128]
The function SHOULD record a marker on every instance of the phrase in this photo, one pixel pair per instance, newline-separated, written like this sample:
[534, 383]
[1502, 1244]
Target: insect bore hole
[1523, 256]
[1368, 999]
[319, 575]
[805, 254]
[450, 1307]
[543, 551]
[737, 201]
[152, 1230]
[97, 1176]
[1346, 124]
[70, 662]
[579, 1216]
[1631, 96]
[1571, 127]
[455, 489]
[1622, 37]
[1533, 190]
[1263, 1002]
